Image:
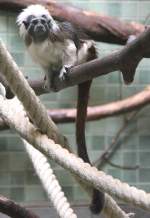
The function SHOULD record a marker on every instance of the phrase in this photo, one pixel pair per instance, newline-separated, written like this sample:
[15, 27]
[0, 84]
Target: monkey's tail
[97, 203]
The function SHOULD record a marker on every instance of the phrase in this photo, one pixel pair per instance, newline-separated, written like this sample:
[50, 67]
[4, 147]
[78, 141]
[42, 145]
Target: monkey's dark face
[38, 27]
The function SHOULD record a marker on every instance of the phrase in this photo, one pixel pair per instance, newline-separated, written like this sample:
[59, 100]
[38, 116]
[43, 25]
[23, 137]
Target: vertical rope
[49, 182]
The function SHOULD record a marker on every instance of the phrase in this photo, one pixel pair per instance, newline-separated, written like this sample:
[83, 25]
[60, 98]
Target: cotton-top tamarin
[56, 47]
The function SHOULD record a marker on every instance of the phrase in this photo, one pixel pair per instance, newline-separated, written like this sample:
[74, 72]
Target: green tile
[64, 177]
[113, 78]
[20, 162]
[69, 94]
[131, 143]
[4, 161]
[117, 158]
[34, 194]
[143, 125]
[129, 10]
[128, 90]
[145, 187]
[5, 191]
[15, 43]
[17, 178]
[14, 144]
[97, 94]
[113, 93]
[5, 179]
[67, 128]
[12, 26]
[3, 24]
[144, 175]
[114, 9]
[113, 125]
[49, 97]
[97, 127]
[144, 159]
[98, 142]
[144, 142]
[68, 191]
[130, 176]
[19, 58]
[80, 195]
[17, 194]
[116, 173]
[144, 76]
[129, 159]
[31, 178]
[4, 38]
[3, 144]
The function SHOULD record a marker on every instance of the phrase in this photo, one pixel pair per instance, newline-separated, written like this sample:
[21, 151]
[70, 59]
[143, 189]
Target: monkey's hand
[64, 72]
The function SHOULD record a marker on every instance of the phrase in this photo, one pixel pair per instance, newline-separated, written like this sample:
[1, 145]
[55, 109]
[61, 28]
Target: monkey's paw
[64, 72]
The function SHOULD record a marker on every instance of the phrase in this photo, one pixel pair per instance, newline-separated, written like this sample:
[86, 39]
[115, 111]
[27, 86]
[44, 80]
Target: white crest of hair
[37, 11]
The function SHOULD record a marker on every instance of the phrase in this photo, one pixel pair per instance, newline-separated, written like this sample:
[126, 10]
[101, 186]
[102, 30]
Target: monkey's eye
[35, 21]
[44, 16]
[43, 21]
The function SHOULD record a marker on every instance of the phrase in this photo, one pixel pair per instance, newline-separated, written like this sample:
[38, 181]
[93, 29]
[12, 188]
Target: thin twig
[106, 155]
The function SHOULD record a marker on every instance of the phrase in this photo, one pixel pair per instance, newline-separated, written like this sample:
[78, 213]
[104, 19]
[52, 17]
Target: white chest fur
[48, 53]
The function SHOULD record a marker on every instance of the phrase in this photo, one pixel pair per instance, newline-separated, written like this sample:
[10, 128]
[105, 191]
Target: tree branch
[129, 104]
[126, 60]
[99, 27]
[14, 210]
[132, 103]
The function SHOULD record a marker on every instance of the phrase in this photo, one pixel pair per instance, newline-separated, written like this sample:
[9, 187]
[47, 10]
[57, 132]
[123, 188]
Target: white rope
[31, 103]
[112, 210]
[49, 182]
[26, 95]
[89, 174]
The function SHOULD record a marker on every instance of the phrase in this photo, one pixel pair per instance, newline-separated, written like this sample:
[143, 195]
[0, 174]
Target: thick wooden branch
[125, 60]
[99, 27]
[14, 210]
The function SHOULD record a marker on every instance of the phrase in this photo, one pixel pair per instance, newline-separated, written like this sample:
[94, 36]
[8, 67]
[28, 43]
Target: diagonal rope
[91, 175]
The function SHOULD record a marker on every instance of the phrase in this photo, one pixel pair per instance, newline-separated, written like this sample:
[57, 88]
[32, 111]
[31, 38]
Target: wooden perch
[99, 27]
[125, 60]
[14, 210]
[132, 103]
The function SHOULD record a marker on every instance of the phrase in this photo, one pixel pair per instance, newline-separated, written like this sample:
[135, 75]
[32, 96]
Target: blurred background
[132, 156]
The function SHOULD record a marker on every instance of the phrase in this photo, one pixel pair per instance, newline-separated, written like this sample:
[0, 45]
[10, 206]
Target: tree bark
[14, 210]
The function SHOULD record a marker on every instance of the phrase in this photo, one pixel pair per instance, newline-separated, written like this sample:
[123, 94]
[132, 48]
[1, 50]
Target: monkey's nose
[40, 29]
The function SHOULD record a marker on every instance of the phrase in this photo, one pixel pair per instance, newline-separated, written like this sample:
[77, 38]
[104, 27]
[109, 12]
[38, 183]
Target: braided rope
[26, 95]
[49, 182]
[89, 174]
[31, 103]
[112, 210]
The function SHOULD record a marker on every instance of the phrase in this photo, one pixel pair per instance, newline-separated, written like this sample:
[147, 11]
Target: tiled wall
[17, 178]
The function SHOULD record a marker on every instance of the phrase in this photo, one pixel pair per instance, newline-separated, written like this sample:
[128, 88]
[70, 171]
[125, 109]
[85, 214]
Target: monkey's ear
[26, 24]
